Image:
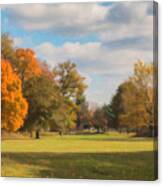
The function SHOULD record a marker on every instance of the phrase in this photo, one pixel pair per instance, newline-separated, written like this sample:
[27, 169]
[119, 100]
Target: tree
[84, 116]
[43, 97]
[70, 82]
[110, 116]
[45, 69]
[7, 47]
[100, 120]
[71, 85]
[63, 118]
[24, 61]
[133, 114]
[133, 103]
[128, 107]
[14, 105]
[26, 64]
[116, 108]
[143, 79]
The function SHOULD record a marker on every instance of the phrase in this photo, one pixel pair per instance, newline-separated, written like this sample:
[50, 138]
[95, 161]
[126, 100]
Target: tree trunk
[78, 120]
[37, 134]
[60, 133]
[151, 131]
[98, 130]
[31, 134]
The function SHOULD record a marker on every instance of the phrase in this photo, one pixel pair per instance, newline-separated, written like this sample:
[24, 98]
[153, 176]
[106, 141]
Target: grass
[103, 156]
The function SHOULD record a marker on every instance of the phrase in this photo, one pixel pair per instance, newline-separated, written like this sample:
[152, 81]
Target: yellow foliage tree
[14, 106]
[143, 79]
[135, 100]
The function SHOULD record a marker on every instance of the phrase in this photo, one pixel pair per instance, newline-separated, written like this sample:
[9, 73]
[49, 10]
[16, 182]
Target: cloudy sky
[103, 39]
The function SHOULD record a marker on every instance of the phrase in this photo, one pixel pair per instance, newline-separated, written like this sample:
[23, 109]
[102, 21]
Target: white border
[59, 1]
[63, 182]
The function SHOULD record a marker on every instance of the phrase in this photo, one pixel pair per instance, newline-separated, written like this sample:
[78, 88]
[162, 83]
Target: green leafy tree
[63, 118]
[71, 85]
[100, 120]
[109, 115]
[43, 98]
[70, 82]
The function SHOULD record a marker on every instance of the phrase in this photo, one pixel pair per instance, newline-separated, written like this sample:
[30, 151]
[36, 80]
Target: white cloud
[125, 33]
[117, 22]
[96, 61]
[127, 20]
[69, 51]
[64, 18]
[92, 56]
[122, 19]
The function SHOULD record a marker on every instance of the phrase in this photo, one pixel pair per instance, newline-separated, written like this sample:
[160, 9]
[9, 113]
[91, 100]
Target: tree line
[35, 97]
[133, 108]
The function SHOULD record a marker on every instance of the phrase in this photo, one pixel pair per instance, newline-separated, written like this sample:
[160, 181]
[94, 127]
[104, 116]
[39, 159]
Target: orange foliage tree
[14, 106]
[26, 64]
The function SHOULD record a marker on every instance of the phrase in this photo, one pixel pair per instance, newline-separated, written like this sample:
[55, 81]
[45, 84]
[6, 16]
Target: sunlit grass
[103, 156]
[80, 143]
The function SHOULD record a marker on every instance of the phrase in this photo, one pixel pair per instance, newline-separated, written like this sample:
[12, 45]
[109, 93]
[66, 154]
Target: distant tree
[14, 105]
[70, 82]
[117, 108]
[133, 115]
[61, 114]
[71, 85]
[133, 104]
[84, 116]
[143, 79]
[80, 102]
[100, 120]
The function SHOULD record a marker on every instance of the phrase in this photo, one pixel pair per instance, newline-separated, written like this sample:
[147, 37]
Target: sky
[104, 40]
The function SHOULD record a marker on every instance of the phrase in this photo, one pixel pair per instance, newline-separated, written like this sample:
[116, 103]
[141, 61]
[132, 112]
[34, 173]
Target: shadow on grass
[124, 166]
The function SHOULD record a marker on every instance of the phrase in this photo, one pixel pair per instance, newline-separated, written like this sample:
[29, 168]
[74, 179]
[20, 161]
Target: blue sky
[103, 39]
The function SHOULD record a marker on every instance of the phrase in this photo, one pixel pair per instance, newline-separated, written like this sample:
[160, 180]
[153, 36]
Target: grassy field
[103, 156]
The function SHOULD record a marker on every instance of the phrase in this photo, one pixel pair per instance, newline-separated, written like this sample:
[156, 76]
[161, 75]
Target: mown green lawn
[103, 156]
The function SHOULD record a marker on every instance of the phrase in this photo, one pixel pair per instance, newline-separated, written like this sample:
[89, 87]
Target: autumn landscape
[79, 93]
